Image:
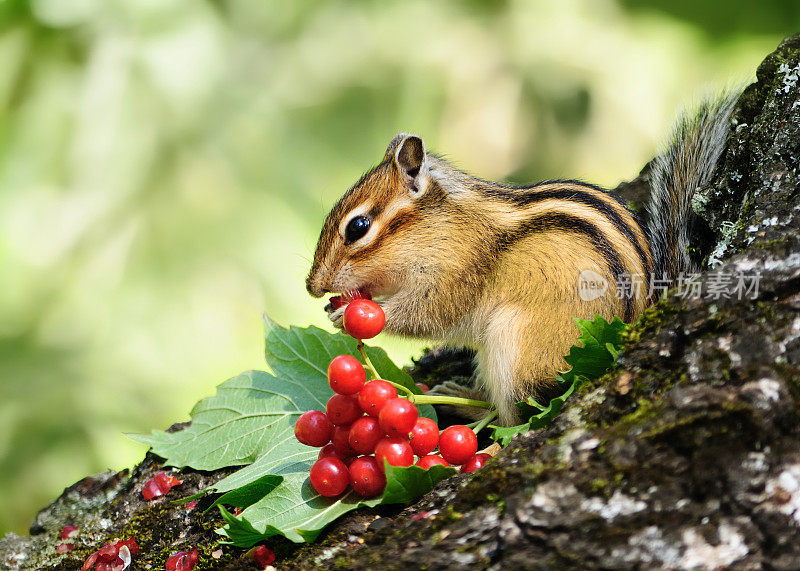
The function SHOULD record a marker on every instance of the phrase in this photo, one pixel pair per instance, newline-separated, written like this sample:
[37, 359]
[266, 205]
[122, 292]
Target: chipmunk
[504, 269]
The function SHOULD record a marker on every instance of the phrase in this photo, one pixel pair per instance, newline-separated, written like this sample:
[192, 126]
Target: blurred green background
[165, 166]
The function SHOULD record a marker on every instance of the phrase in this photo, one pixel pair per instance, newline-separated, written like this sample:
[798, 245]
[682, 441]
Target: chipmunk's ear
[408, 154]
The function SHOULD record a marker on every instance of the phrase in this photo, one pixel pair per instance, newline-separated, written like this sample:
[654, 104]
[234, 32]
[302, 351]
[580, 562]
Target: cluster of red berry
[367, 423]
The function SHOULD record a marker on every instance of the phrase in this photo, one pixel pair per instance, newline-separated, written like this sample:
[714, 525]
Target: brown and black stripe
[570, 193]
[608, 205]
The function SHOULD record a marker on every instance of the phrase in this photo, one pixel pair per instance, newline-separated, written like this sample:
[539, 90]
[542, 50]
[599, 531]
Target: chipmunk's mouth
[337, 301]
[343, 299]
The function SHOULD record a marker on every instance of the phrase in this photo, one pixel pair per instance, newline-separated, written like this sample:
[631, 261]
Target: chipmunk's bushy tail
[689, 161]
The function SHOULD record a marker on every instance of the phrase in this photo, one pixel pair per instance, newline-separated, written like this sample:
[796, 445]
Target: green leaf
[504, 434]
[250, 422]
[591, 358]
[406, 485]
[293, 509]
[296, 511]
[249, 494]
[596, 352]
[251, 418]
[241, 533]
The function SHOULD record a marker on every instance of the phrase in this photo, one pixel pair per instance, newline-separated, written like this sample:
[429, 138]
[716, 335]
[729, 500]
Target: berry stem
[367, 362]
[536, 405]
[484, 421]
[405, 389]
[440, 399]
[458, 401]
[424, 399]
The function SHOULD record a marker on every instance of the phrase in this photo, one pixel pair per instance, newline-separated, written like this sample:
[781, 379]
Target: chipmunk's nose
[315, 287]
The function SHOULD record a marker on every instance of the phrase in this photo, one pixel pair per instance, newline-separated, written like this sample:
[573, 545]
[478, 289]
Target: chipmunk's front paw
[336, 315]
[452, 389]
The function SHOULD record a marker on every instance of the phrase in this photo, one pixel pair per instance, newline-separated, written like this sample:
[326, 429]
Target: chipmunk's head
[375, 229]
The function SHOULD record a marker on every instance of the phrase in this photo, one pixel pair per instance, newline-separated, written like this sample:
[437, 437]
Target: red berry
[374, 395]
[69, 531]
[366, 477]
[397, 417]
[90, 561]
[364, 435]
[131, 544]
[423, 387]
[182, 561]
[151, 490]
[63, 548]
[262, 556]
[346, 375]
[477, 461]
[363, 318]
[457, 444]
[395, 450]
[431, 460]
[340, 440]
[343, 409]
[329, 476]
[330, 451]
[166, 481]
[424, 436]
[159, 484]
[313, 428]
[109, 551]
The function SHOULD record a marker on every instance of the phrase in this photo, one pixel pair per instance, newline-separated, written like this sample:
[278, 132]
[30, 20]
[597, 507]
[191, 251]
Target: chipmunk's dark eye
[356, 229]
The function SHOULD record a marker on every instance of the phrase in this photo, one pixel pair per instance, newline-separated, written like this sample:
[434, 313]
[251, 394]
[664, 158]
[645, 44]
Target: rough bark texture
[685, 455]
